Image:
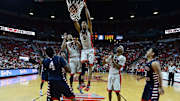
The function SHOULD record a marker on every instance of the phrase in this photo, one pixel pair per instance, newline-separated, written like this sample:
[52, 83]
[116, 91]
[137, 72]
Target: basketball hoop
[75, 7]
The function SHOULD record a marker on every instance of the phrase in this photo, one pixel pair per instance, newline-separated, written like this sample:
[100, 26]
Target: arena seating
[11, 50]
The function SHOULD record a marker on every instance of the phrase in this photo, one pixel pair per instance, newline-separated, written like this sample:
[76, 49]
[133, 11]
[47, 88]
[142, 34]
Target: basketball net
[75, 7]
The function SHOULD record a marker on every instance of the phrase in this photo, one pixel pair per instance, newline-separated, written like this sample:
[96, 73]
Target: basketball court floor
[26, 88]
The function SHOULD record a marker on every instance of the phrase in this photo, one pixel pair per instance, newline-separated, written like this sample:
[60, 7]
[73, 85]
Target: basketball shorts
[151, 92]
[88, 55]
[57, 89]
[75, 65]
[44, 76]
[114, 83]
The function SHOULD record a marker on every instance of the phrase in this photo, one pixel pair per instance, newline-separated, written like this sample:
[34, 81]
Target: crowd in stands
[22, 54]
[135, 56]
[167, 53]
[12, 50]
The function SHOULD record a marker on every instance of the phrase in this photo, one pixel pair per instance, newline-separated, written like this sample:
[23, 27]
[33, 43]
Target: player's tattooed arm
[77, 26]
[157, 68]
[88, 18]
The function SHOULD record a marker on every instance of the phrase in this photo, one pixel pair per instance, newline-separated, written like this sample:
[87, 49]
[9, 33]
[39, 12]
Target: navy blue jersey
[151, 92]
[43, 70]
[54, 67]
[151, 76]
[44, 74]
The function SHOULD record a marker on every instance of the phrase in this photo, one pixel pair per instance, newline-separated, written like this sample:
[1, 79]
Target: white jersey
[73, 49]
[86, 40]
[121, 61]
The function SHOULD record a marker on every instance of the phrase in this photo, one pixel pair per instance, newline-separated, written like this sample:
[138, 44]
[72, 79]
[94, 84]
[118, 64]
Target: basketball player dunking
[116, 62]
[87, 53]
[73, 47]
[153, 87]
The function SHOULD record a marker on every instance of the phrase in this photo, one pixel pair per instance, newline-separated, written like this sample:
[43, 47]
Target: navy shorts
[57, 89]
[151, 93]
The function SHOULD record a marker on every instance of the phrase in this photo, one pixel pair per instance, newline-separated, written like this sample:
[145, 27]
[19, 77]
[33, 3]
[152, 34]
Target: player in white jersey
[87, 53]
[73, 47]
[116, 62]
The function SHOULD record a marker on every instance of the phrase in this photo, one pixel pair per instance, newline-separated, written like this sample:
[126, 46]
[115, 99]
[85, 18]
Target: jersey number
[51, 66]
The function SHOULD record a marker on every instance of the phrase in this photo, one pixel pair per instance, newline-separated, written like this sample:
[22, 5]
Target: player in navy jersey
[153, 87]
[57, 85]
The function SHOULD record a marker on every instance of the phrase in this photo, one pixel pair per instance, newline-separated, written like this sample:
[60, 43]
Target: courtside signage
[16, 72]
[16, 31]
[176, 30]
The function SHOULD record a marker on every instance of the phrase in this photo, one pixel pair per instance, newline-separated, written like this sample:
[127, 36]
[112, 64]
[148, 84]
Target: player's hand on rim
[85, 5]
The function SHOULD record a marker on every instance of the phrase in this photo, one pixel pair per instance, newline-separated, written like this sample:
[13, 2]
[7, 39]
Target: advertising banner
[16, 72]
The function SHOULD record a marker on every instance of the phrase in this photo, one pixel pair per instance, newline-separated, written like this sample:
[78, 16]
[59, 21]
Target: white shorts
[114, 83]
[75, 65]
[88, 55]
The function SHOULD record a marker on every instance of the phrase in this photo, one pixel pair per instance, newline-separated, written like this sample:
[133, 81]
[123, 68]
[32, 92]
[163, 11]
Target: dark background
[145, 25]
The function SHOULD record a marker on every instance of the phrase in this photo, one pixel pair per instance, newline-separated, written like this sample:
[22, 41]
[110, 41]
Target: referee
[171, 70]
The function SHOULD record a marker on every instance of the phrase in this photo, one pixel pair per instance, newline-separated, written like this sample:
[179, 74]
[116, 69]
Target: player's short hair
[50, 52]
[155, 50]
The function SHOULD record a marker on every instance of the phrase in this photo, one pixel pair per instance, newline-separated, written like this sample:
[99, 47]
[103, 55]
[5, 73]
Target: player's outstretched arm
[63, 46]
[77, 26]
[88, 18]
[157, 68]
